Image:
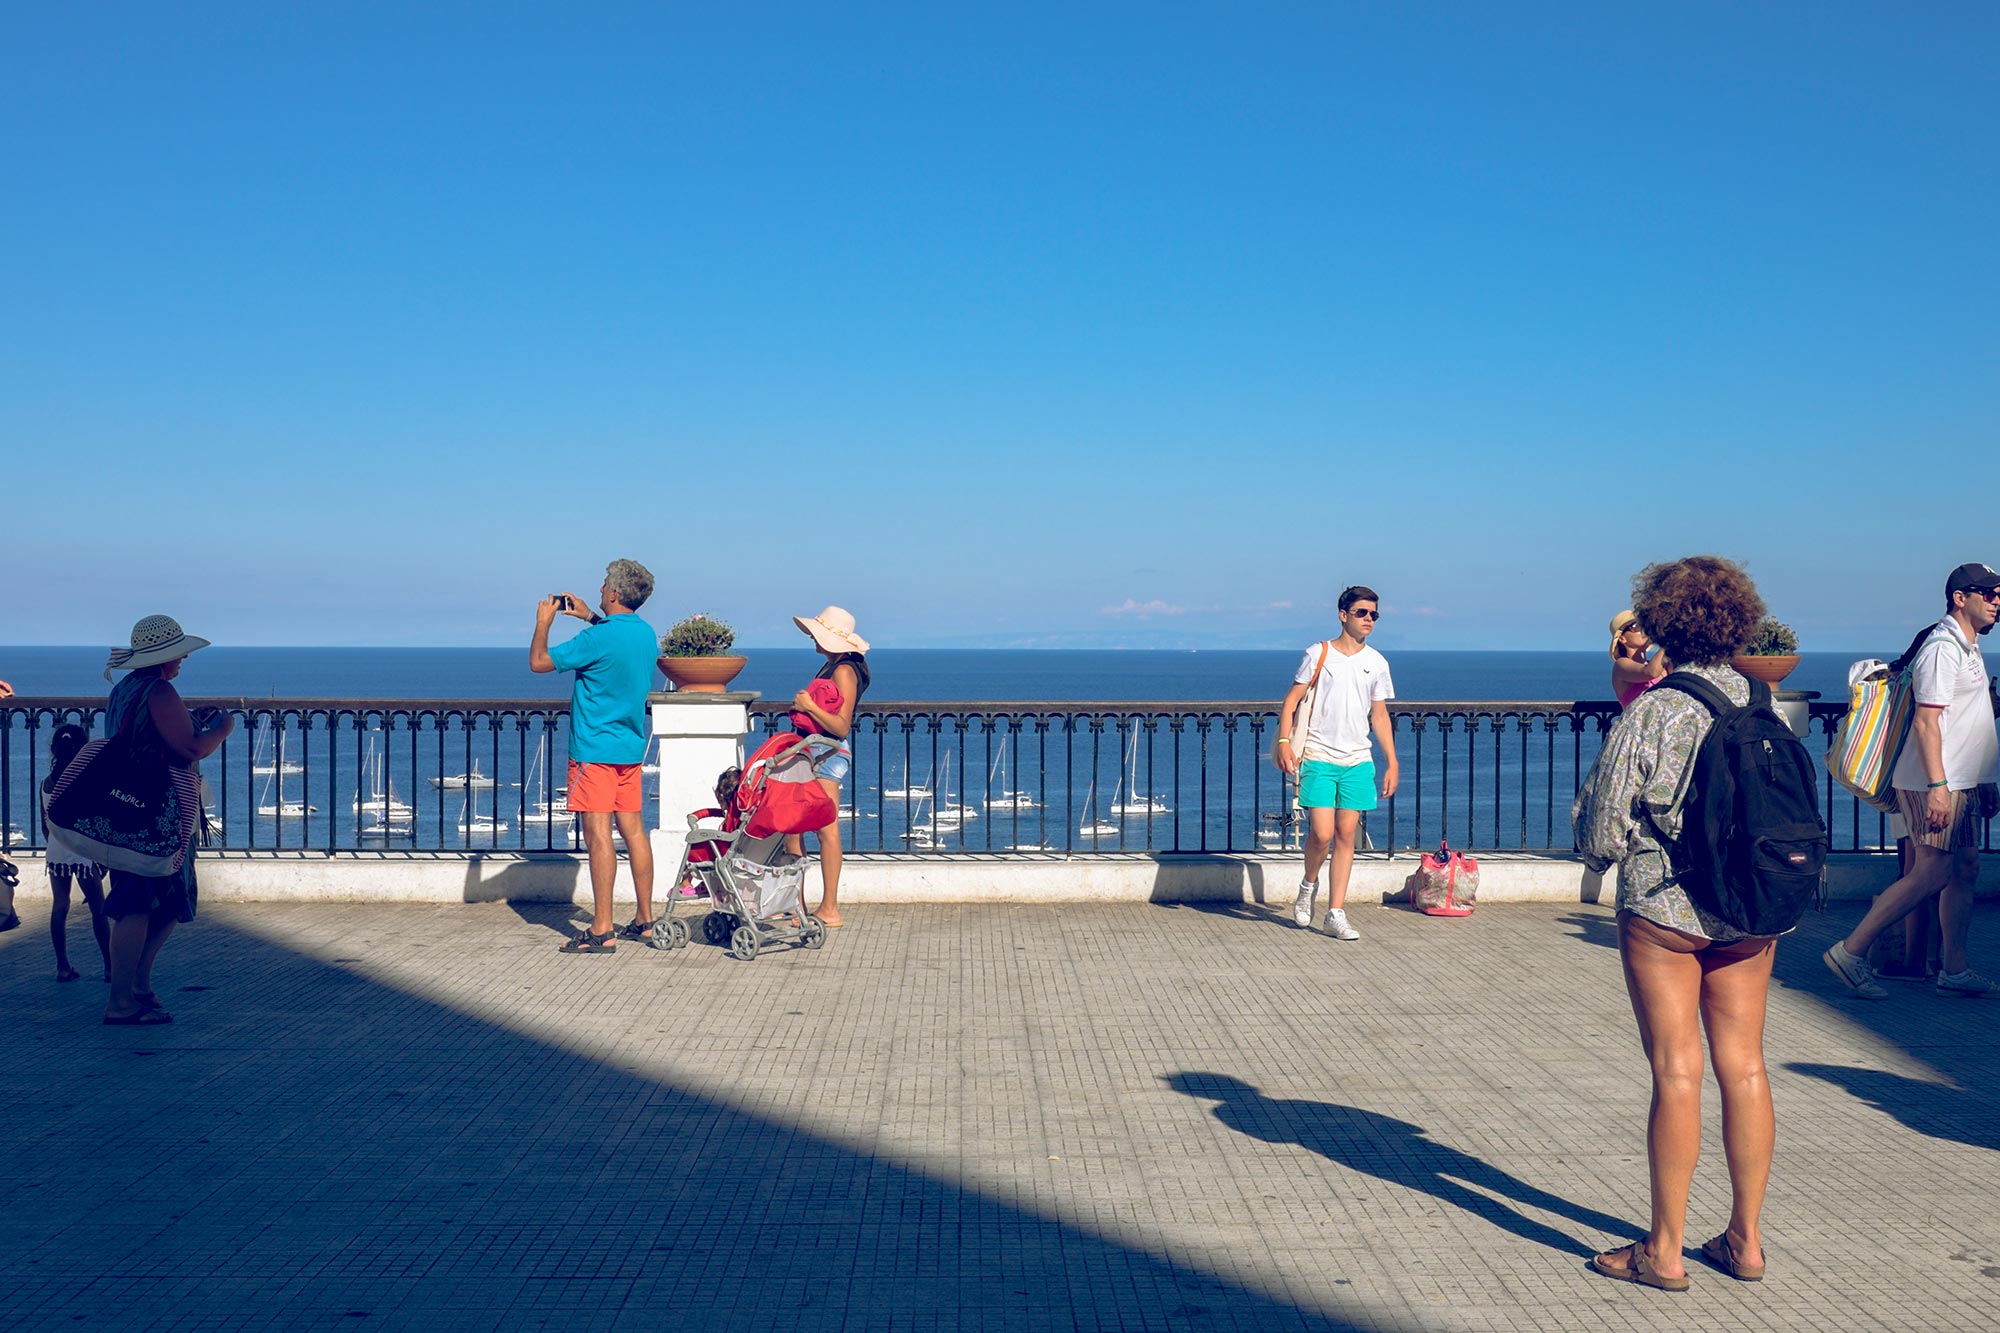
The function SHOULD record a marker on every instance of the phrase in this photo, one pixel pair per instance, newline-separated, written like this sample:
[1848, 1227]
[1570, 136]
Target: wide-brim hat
[1619, 624]
[155, 639]
[833, 630]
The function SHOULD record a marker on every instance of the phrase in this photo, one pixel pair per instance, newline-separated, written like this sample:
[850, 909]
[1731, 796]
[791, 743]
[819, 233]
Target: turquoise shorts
[1324, 786]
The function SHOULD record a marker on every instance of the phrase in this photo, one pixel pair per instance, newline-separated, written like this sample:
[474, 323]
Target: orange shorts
[603, 788]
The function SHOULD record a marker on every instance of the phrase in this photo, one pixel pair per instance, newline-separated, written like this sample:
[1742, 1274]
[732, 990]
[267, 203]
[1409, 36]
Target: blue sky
[1098, 326]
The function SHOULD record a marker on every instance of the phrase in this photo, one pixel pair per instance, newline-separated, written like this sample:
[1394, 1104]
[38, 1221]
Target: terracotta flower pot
[702, 675]
[1770, 670]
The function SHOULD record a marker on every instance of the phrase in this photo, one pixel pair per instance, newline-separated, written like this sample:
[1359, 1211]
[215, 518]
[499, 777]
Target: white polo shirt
[1337, 731]
[1950, 674]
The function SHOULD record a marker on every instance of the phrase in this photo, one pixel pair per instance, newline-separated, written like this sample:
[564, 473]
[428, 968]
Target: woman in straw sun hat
[830, 713]
[144, 909]
[1632, 672]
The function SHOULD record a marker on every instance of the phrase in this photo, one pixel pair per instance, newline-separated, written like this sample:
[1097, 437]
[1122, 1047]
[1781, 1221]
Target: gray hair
[631, 582]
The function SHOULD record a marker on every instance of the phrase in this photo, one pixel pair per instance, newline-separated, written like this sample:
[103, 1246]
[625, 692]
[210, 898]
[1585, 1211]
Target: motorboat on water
[473, 781]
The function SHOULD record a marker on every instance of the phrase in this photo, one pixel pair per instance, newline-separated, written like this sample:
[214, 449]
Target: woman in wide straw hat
[1632, 672]
[144, 909]
[832, 716]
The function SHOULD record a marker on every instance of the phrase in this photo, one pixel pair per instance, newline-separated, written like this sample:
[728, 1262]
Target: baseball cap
[1967, 577]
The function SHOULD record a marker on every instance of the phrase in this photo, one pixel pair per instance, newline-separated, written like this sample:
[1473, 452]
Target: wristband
[1284, 740]
[1941, 782]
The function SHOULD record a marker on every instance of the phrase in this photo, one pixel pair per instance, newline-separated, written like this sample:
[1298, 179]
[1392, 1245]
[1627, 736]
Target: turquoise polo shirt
[613, 662]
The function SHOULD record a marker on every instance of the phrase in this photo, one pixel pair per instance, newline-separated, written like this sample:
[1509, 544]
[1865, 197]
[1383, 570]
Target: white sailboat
[1134, 803]
[950, 813]
[906, 792]
[475, 825]
[1003, 798]
[271, 803]
[378, 812]
[473, 781]
[1094, 828]
[649, 763]
[279, 765]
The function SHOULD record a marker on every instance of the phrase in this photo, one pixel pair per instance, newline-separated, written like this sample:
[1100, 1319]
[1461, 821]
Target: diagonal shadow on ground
[1936, 1110]
[340, 1153]
[1392, 1150]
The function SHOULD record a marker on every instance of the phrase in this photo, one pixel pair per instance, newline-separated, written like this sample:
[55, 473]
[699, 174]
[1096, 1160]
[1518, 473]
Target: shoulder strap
[1324, 645]
[1711, 698]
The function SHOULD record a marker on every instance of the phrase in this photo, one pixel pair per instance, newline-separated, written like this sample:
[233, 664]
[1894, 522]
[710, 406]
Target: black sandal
[584, 941]
[635, 929]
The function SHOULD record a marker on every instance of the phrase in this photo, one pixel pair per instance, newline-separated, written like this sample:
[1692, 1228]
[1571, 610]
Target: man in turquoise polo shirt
[613, 661]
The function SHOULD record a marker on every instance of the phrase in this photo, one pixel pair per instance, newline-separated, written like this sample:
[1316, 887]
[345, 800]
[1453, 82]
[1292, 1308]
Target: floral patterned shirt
[1632, 795]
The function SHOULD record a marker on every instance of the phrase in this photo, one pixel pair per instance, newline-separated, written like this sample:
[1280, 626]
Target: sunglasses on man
[1365, 613]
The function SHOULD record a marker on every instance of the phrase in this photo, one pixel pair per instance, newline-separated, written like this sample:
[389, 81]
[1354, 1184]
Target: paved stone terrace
[998, 1117]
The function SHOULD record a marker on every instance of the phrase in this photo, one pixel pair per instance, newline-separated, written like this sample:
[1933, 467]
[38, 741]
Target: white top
[1337, 731]
[1950, 674]
[58, 852]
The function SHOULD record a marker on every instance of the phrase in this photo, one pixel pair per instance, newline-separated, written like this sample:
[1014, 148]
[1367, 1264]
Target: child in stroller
[690, 885]
[755, 886]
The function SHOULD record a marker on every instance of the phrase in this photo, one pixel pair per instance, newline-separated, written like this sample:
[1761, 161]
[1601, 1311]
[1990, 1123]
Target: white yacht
[473, 781]
[1003, 798]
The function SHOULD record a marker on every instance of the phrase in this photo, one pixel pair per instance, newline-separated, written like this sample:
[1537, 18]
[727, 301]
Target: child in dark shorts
[67, 866]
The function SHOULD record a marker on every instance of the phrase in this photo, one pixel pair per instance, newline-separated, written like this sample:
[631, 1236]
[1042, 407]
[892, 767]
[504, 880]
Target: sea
[915, 675]
[926, 778]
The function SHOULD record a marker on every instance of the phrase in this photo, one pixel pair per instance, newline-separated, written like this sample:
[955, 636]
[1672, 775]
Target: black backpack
[1752, 849]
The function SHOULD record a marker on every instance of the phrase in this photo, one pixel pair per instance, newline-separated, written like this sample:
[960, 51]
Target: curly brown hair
[1701, 609]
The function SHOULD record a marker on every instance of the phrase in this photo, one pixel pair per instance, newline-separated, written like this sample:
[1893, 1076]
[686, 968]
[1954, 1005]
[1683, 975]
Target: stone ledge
[1116, 877]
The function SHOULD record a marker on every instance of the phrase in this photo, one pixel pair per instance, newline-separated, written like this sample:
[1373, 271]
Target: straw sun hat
[1618, 624]
[155, 639]
[833, 630]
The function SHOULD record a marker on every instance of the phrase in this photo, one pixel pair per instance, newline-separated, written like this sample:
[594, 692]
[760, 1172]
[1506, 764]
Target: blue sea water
[912, 674]
[1484, 782]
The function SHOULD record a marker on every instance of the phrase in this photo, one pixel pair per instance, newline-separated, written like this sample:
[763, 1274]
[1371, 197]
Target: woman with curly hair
[1683, 967]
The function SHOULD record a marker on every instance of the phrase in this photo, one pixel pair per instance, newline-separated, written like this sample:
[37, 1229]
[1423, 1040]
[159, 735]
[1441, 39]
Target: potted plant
[694, 655]
[1771, 654]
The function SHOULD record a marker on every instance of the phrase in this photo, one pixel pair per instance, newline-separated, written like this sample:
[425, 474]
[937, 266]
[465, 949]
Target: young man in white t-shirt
[1329, 755]
[1951, 753]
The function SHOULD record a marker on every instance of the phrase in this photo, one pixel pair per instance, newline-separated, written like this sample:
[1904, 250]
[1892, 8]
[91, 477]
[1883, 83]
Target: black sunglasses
[1365, 614]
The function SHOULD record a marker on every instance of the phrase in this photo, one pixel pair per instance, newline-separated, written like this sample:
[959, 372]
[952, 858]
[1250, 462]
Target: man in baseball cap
[1952, 752]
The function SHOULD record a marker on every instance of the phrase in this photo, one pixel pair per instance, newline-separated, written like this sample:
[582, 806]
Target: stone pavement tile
[1002, 1117]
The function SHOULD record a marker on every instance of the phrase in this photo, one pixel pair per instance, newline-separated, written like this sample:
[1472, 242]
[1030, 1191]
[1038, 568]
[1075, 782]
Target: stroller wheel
[680, 935]
[815, 936]
[662, 934]
[743, 943]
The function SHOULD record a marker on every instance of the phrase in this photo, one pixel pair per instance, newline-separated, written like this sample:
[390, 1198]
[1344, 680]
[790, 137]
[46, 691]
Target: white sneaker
[1336, 925]
[1855, 974]
[1302, 906]
[1968, 983]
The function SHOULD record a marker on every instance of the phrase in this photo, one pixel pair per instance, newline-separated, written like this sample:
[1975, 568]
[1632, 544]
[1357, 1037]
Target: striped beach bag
[1862, 757]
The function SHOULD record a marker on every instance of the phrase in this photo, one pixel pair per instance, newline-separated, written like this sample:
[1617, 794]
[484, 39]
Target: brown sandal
[1637, 1270]
[1720, 1253]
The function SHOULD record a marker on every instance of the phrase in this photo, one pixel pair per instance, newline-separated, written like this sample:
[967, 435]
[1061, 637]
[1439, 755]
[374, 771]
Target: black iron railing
[977, 778]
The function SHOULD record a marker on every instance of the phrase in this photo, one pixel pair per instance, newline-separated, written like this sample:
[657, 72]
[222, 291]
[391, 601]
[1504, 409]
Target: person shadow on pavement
[1935, 1110]
[1396, 1151]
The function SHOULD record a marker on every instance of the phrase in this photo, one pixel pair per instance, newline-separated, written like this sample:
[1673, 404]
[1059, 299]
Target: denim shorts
[1325, 786]
[832, 759]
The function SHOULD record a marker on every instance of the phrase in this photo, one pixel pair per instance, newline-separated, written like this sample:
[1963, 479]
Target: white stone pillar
[700, 735]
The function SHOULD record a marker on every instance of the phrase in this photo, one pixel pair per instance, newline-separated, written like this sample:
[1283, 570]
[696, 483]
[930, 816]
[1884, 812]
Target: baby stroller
[756, 888]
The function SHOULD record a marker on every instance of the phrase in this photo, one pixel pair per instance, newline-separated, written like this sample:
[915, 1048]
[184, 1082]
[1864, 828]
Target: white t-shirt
[1337, 731]
[1949, 673]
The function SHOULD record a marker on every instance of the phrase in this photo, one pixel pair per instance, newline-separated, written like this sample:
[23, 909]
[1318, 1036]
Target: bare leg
[1955, 907]
[1927, 876]
[639, 851]
[1346, 824]
[159, 924]
[1736, 981]
[1663, 977]
[100, 926]
[1319, 840]
[603, 867]
[829, 861]
[128, 941]
[59, 923]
